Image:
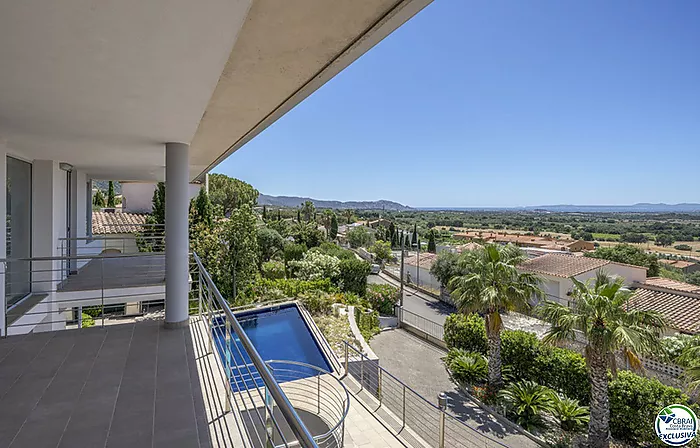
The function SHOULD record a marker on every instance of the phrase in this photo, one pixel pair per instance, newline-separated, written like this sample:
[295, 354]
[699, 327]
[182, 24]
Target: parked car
[375, 268]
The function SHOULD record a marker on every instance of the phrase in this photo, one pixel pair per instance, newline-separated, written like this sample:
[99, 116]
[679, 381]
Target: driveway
[419, 365]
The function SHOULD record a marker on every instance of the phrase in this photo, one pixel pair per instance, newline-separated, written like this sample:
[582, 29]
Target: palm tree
[692, 373]
[492, 285]
[600, 312]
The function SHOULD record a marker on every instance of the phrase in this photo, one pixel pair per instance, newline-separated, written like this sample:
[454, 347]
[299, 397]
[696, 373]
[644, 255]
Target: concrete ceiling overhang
[104, 84]
[285, 52]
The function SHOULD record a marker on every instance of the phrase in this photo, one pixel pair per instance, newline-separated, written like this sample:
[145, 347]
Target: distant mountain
[104, 185]
[295, 201]
[570, 208]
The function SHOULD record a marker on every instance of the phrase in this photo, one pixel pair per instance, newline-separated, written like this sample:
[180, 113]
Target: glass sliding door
[19, 230]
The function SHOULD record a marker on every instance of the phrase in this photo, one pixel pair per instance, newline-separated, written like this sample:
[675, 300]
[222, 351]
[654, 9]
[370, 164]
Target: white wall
[137, 197]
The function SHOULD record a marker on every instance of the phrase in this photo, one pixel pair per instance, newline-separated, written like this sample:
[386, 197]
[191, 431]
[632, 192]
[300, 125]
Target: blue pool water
[277, 334]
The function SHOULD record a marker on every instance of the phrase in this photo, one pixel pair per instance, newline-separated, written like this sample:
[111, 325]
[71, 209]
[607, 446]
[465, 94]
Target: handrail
[84, 257]
[293, 419]
[322, 372]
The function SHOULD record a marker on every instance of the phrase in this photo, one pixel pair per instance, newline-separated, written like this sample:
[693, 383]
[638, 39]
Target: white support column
[176, 234]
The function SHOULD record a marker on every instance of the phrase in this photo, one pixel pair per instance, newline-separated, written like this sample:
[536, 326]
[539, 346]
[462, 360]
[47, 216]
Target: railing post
[210, 326]
[403, 408]
[442, 404]
[347, 372]
[199, 294]
[379, 384]
[362, 371]
[227, 339]
[318, 392]
[269, 417]
[102, 289]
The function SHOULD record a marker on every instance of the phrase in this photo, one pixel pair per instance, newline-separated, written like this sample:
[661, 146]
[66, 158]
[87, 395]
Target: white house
[137, 197]
[557, 269]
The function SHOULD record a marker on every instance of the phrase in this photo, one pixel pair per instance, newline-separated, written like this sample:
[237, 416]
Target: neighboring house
[679, 302]
[381, 222]
[688, 267]
[533, 241]
[557, 270]
[118, 230]
[418, 268]
[137, 197]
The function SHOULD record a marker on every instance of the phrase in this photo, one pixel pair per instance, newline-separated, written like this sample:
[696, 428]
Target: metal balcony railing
[41, 294]
[281, 402]
[412, 410]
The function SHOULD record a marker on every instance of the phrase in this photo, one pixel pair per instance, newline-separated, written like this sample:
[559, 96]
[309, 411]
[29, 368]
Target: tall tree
[492, 285]
[407, 242]
[270, 243]
[333, 232]
[98, 200]
[158, 202]
[111, 201]
[432, 248]
[230, 193]
[308, 210]
[298, 215]
[279, 214]
[414, 236]
[264, 213]
[201, 209]
[392, 231]
[349, 216]
[600, 312]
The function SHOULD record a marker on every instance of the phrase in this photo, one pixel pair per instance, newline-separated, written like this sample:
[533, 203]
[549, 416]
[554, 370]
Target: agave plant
[571, 415]
[528, 401]
[467, 367]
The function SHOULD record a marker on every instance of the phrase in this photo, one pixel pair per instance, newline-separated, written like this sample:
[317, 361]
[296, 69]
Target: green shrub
[526, 402]
[353, 275]
[634, 403]
[272, 270]
[286, 287]
[466, 333]
[571, 415]
[328, 248]
[318, 303]
[683, 247]
[382, 298]
[524, 357]
[367, 322]
[467, 367]
[88, 321]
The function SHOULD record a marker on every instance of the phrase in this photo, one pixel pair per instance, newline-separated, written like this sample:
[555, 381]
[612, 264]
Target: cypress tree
[431, 242]
[298, 215]
[414, 237]
[264, 214]
[334, 227]
[111, 201]
[407, 243]
[279, 214]
[99, 199]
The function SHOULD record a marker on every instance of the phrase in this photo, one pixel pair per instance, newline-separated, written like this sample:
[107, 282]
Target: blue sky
[502, 103]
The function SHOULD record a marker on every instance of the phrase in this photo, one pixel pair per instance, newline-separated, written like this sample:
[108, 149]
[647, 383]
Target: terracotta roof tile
[110, 223]
[673, 285]
[426, 260]
[682, 309]
[562, 265]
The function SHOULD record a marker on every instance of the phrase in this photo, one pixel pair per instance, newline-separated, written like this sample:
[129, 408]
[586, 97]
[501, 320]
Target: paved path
[419, 365]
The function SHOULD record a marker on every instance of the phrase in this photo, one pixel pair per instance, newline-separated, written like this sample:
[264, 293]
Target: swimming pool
[278, 333]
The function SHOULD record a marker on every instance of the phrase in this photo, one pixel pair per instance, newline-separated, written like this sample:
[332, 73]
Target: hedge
[466, 332]
[524, 357]
[634, 400]
[634, 403]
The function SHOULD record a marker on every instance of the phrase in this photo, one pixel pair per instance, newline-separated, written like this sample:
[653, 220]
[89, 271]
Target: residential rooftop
[106, 223]
[563, 265]
[679, 302]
